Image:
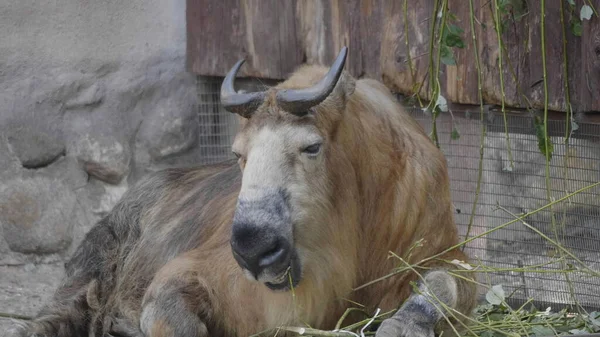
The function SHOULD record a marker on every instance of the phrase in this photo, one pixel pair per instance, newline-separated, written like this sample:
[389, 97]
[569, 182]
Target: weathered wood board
[276, 36]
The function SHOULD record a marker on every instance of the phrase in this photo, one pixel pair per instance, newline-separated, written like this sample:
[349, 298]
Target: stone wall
[93, 94]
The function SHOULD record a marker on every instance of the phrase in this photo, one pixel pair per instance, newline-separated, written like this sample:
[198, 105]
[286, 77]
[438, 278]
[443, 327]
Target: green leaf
[578, 332]
[446, 56]
[515, 8]
[454, 29]
[571, 2]
[539, 330]
[441, 103]
[495, 295]
[453, 40]
[576, 28]
[541, 136]
[585, 13]
[496, 316]
[451, 16]
[563, 328]
[503, 6]
[490, 333]
[595, 322]
[574, 125]
[451, 36]
[455, 134]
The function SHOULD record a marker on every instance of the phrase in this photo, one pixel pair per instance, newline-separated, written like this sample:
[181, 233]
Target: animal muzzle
[262, 242]
[264, 255]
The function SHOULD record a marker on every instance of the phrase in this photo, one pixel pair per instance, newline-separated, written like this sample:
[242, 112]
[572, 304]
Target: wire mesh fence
[513, 183]
[217, 126]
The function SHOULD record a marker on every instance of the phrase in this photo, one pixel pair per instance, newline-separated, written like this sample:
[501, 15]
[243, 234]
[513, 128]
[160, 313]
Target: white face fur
[279, 156]
[290, 158]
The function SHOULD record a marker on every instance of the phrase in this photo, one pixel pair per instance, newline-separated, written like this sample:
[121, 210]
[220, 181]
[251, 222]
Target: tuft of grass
[495, 320]
[491, 319]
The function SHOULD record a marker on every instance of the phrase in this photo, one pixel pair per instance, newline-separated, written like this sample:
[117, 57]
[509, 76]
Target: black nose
[257, 249]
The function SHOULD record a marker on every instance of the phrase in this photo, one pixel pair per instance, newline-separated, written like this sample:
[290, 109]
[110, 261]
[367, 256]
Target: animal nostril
[272, 256]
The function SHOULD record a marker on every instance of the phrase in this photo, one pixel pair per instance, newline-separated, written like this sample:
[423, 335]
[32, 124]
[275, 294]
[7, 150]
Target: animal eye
[237, 155]
[312, 149]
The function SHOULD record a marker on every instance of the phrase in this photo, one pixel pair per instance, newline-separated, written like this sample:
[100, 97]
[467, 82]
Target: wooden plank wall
[275, 36]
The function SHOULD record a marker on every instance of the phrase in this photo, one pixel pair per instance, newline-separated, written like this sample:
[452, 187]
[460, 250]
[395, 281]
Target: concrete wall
[93, 94]
[40, 34]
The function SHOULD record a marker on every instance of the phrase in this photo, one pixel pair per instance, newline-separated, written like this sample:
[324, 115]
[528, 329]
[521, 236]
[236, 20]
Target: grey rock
[11, 258]
[29, 267]
[9, 327]
[86, 97]
[159, 83]
[24, 290]
[102, 156]
[4, 249]
[36, 142]
[66, 169]
[101, 197]
[106, 118]
[9, 163]
[84, 218]
[36, 215]
[170, 126]
[34, 109]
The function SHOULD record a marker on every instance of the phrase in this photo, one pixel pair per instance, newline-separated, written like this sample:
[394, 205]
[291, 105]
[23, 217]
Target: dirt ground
[24, 289]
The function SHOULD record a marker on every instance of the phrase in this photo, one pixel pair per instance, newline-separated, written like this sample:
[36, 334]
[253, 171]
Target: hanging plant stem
[431, 47]
[433, 74]
[568, 127]
[481, 118]
[435, 79]
[503, 98]
[407, 44]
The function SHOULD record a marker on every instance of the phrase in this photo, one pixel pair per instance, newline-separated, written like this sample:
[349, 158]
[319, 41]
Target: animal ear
[343, 90]
[347, 84]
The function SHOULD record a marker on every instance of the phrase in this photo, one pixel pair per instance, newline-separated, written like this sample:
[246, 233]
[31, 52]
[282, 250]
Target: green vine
[569, 123]
[440, 102]
[481, 116]
[433, 75]
[451, 38]
[500, 71]
[510, 11]
[448, 37]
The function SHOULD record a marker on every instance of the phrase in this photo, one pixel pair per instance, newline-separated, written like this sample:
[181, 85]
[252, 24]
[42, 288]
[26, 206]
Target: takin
[332, 178]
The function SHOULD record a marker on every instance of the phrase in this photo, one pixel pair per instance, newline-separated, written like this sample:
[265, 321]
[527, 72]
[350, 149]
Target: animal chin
[282, 281]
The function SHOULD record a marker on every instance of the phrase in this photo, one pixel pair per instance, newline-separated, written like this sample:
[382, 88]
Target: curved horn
[243, 104]
[298, 101]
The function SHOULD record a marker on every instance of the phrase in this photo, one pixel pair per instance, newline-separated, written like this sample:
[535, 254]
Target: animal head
[284, 148]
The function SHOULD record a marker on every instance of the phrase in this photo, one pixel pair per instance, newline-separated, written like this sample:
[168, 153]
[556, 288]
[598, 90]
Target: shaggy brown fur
[160, 264]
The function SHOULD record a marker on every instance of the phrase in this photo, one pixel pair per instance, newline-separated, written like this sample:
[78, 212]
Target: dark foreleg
[441, 299]
[176, 303]
[70, 311]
